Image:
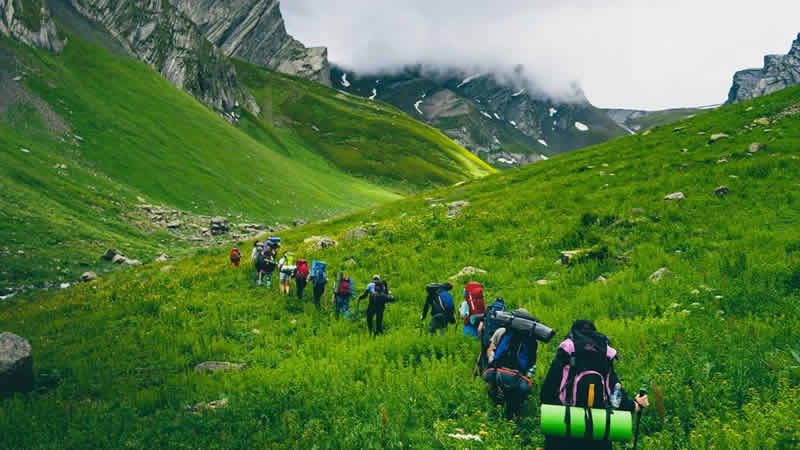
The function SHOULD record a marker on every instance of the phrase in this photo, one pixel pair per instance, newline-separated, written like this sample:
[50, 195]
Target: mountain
[779, 72]
[254, 31]
[635, 120]
[98, 150]
[714, 338]
[504, 124]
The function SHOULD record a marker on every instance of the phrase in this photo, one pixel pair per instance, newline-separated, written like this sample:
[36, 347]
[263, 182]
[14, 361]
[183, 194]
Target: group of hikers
[581, 375]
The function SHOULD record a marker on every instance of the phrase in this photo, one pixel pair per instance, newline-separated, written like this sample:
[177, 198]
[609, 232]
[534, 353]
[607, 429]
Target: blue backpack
[489, 325]
[318, 275]
[504, 353]
[446, 302]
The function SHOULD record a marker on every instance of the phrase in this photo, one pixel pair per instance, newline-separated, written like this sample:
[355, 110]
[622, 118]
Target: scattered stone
[24, 150]
[132, 262]
[219, 225]
[16, 364]
[660, 274]
[718, 297]
[77, 137]
[434, 200]
[755, 147]
[350, 262]
[675, 196]
[110, 254]
[175, 225]
[717, 137]
[733, 176]
[20, 252]
[454, 208]
[166, 269]
[469, 270]
[217, 366]
[88, 276]
[696, 305]
[299, 222]
[315, 128]
[677, 129]
[207, 406]
[647, 132]
[356, 233]
[17, 78]
[695, 292]
[685, 150]
[722, 161]
[675, 305]
[324, 243]
[118, 259]
[543, 282]
[749, 108]
[601, 279]
[761, 121]
[64, 285]
[460, 183]
[162, 258]
[721, 191]
[465, 437]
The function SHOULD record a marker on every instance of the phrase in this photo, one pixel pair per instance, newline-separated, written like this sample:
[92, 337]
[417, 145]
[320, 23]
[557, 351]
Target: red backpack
[344, 286]
[302, 270]
[474, 297]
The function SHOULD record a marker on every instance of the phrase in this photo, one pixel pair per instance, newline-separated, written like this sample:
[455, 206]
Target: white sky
[649, 54]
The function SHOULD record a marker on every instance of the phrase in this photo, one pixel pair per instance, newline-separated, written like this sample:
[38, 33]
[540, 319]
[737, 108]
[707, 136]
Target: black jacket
[432, 300]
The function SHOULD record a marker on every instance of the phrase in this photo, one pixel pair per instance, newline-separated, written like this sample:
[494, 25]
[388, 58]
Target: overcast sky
[649, 54]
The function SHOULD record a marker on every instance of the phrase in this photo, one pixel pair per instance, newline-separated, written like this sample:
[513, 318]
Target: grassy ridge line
[315, 382]
[366, 138]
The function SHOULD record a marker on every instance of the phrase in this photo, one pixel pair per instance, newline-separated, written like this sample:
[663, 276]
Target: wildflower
[483, 433]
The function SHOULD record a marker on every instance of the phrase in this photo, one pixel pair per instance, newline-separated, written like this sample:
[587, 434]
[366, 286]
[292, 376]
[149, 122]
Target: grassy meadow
[713, 342]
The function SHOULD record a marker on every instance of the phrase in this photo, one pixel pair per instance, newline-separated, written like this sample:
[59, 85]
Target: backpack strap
[589, 421]
[608, 424]
[568, 421]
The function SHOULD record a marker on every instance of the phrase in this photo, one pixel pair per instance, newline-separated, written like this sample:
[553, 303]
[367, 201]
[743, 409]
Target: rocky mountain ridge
[29, 21]
[254, 31]
[505, 125]
[779, 72]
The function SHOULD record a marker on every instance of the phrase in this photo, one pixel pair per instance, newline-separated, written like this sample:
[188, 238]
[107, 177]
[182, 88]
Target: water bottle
[616, 396]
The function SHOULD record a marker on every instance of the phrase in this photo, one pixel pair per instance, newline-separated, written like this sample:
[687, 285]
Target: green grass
[115, 357]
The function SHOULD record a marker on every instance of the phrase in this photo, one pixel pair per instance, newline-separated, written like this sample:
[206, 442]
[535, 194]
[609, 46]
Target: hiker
[378, 292]
[255, 252]
[486, 329]
[582, 374]
[319, 278]
[343, 293]
[261, 266]
[236, 256]
[301, 275]
[511, 358]
[271, 255]
[286, 267]
[441, 305]
[473, 309]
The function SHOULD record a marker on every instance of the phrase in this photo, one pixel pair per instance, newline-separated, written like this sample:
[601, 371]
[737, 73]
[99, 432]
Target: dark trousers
[375, 309]
[507, 388]
[301, 284]
[319, 289]
[559, 443]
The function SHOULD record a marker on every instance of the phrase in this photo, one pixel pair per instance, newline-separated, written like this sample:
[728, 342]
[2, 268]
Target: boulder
[299, 222]
[217, 366]
[356, 233]
[311, 239]
[174, 225]
[162, 258]
[601, 279]
[350, 263]
[110, 254]
[543, 282]
[118, 259]
[279, 227]
[207, 406]
[721, 191]
[755, 147]
[16, 364]
[219, 225]
[722, 161]
[717, 137]
[660, 274]
[454, 208]
[132, 262]
[324, 243]
[88, 276]
[761, 121]
[675, 196]
[569, 257]
[469, 270]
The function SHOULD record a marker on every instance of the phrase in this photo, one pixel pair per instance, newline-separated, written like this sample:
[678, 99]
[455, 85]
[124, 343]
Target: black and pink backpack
[585, 381]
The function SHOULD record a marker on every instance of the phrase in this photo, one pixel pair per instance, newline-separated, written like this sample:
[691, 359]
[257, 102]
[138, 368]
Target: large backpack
[444, 304]
[318, 275]
[585, 381]
[513, 352]
[345, 287]
[476, 303]
[261, 261]
[236, 255]
[382, 292]
[489, 324]
[302, 270]
[288, 266]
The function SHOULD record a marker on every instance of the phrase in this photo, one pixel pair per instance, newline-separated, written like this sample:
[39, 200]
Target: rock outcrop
[16, 364]
[254, 30]
[158, 34]
[29, 21]
[779, 72]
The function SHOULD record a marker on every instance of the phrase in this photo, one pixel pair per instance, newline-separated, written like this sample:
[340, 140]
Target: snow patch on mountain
[543, 142]
[544, 158]
[513, 123]
[469, 79]
[517, 94]
[486, 114]
[553, 112]
[374, 94]
[581, 126]
[416, 106]
[345, 83]
[497, 116]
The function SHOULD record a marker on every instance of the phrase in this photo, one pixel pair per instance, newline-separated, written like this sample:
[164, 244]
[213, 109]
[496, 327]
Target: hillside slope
[713, 342]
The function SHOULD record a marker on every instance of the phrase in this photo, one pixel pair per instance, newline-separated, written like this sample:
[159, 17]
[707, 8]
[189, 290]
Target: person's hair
[584, 325]
[255, 244]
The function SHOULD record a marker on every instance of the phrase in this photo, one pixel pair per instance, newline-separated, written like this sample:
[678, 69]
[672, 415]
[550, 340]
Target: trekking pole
[642, 391]
[477, 365]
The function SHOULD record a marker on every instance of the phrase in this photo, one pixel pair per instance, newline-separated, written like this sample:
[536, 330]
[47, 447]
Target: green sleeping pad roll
[554, 424]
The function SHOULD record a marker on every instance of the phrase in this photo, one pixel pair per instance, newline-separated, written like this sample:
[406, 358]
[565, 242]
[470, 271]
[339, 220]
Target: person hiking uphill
[319, 278]
[473, 309]
[511, 358]
[441, 305]
[342, 294]
[301, 275]
[236, 256]
[378, 292]
[286, 267]
[582, 374]
[270, 252]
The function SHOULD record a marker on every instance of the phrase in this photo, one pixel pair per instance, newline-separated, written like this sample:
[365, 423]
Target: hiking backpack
[302, 270]
[382, 292]
[236, 255]
[585, 381]
[261, 261]
[513, 352]
[318, 275]
[288, 266]
[489, 324]
[444, 303]
[476, 303]
[345, 287]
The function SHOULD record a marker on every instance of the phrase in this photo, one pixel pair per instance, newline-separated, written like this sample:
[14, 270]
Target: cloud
[623, 53]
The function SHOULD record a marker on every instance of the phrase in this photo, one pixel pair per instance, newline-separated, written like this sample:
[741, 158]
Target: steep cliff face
[254, 31]
[161, 36]
[779, 72]
[29, 21]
